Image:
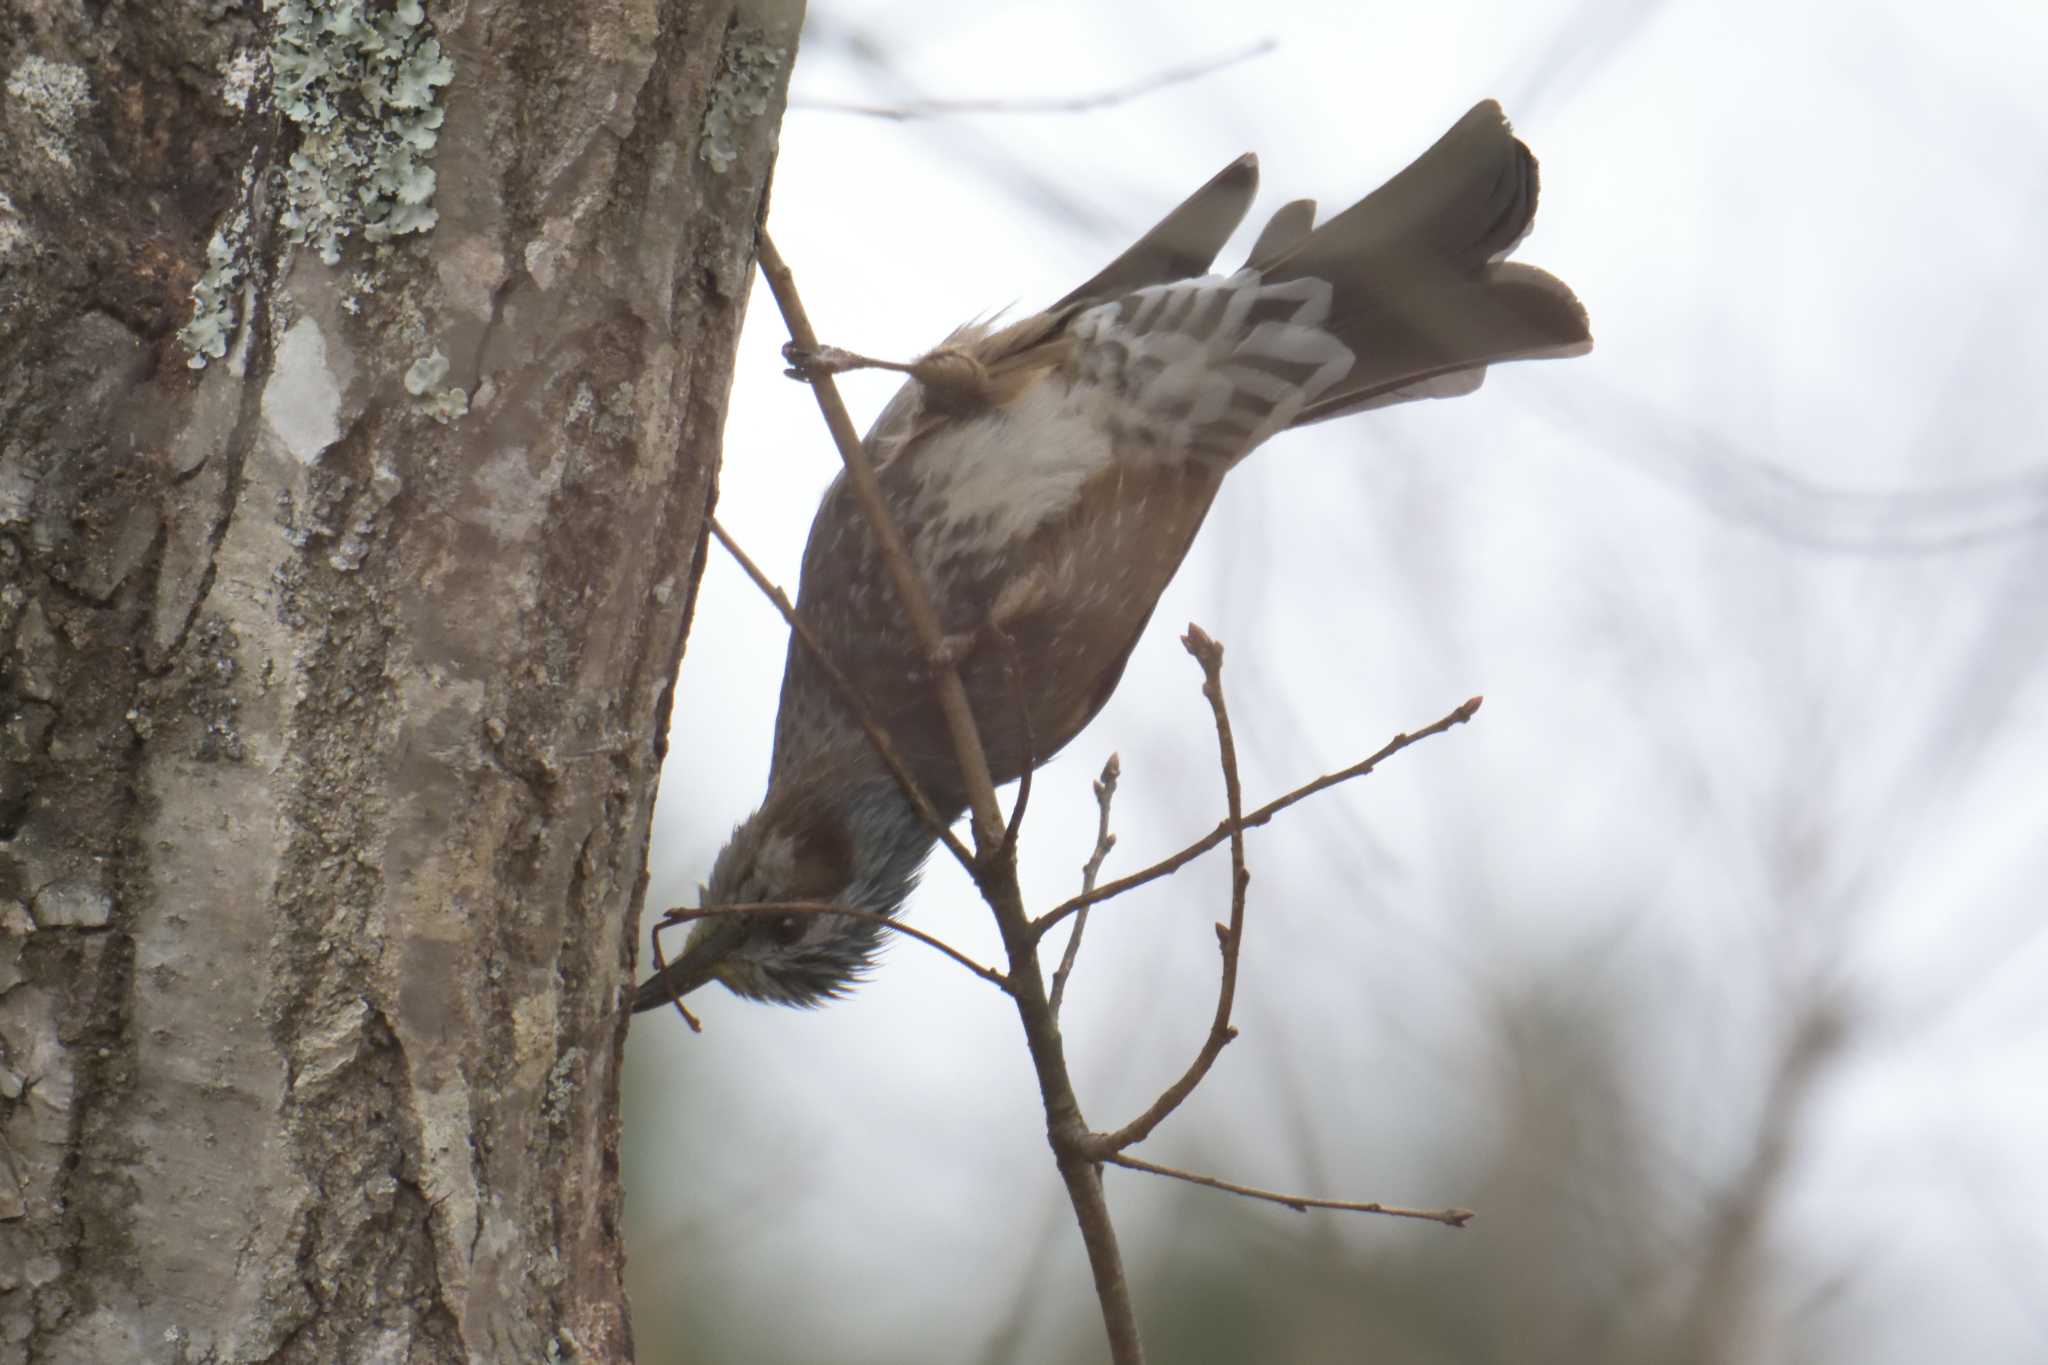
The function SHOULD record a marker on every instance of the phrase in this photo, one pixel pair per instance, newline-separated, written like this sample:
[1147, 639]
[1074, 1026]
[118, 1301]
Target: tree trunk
[362, 373]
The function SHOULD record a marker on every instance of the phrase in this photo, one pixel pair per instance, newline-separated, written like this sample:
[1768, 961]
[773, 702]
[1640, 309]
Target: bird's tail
[1422, 296]
[1406, 294]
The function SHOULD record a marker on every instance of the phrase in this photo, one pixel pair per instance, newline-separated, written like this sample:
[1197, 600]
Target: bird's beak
[711, 942]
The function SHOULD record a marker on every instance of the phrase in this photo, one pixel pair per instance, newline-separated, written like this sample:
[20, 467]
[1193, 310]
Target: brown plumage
[1049, 476]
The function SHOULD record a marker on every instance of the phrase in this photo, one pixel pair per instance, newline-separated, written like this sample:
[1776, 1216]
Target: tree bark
[362, 372]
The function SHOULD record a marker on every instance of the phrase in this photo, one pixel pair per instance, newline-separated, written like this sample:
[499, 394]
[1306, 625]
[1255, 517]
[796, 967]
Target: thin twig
[1006, 643]
[685, 914]
[855, 704]
[661, 968]
[1300, 1203]
[1229, 937]
[1105, 792]
[1167, 866]
[995, 867]
[917, 604]
[1071, 104]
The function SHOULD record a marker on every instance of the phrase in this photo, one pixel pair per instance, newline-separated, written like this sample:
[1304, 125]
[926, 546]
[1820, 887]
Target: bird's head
[863, 854]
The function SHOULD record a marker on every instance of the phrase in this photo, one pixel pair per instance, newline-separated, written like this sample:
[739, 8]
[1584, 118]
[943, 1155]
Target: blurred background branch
[1026, 104]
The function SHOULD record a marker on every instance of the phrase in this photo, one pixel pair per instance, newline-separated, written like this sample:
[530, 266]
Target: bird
[1048, 476]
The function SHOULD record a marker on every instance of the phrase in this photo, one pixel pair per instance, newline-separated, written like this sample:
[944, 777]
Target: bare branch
[1300, 1203]
[1071, 104]
[1229, 937]
[685, 914]
[1168, 866]
[917, 604]
[855, 704]
[1105, 792]
[1078, 1152]
[995, 865]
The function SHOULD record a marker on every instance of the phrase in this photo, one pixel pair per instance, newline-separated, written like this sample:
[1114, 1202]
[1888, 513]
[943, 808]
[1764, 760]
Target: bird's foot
[808, 364]
[953, 380]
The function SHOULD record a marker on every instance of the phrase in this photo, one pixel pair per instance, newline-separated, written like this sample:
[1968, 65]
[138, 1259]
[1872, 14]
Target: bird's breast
[1040, 520]
[981, 484]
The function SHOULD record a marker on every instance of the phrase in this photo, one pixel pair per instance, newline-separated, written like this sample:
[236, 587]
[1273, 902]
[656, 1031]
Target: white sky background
[1758, 597]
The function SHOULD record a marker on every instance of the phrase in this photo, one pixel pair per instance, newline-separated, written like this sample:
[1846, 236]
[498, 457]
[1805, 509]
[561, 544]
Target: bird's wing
[1183, 243]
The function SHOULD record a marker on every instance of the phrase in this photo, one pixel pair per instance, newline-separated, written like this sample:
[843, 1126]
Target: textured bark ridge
[362, 369]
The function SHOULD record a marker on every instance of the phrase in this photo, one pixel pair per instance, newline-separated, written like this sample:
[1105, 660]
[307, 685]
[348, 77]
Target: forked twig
[1300, 1203]
[1105, 792]
[1169, 865]
[1229, 937]
[1079, 1152]
[995, 866]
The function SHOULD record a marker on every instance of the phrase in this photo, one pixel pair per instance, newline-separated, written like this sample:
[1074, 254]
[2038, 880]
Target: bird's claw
[807, 364]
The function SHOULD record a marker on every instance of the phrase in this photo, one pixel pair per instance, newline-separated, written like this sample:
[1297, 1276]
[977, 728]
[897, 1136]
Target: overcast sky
[1757, 594]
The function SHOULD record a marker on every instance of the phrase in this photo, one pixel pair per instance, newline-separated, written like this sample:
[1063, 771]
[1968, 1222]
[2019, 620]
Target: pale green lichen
[448, 404]
[212, 326]
[13, 235]
[54, 94]
[747, 80]
[426, 372]
[422, 381]
[360, 83]
[359, 79]
[238, 77]
[355, 546]
[360, 286]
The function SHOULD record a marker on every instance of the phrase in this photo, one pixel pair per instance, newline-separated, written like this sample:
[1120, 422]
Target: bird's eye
[786, 929]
